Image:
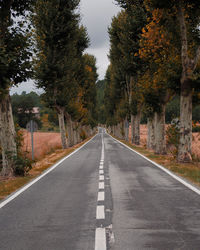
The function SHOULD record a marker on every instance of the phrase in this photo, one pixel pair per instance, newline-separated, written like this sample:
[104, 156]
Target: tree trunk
[7, 137]
[74, 133]
[132, 128]
[159, 126]
[188, 67]
[126, 129]
[122, 130]
[151, 134]
[69, 130]
[135, 128]
[185, 143]
[62, 127]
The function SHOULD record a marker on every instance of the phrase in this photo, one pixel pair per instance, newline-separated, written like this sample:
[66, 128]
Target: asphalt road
[103, 197]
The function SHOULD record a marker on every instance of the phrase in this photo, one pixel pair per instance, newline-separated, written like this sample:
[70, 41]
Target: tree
[186, 15]
[15, 68]
[125, 34]
[60, 43]
[89, 89]
[100, 85]
[161, 54]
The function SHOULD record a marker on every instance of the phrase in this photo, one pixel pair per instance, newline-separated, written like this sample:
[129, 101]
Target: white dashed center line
[101, 185]
[101, 196]
[100, 234]
[100, 213]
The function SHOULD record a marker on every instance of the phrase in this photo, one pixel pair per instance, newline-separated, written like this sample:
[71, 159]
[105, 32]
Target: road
[102, 197]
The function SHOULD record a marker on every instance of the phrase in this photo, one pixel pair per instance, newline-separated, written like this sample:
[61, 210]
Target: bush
[22, 165]
[196, 129]
[83, 135]
[173, 136]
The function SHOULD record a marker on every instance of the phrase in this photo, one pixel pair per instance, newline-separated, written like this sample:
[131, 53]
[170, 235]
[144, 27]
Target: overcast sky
[96, 15]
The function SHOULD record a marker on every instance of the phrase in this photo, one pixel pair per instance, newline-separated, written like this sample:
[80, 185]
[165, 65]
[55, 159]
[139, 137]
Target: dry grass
[196, 145]
[8, 186]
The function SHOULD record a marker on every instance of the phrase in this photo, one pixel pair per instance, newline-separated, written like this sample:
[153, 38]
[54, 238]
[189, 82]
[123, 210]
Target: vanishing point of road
[102, 197]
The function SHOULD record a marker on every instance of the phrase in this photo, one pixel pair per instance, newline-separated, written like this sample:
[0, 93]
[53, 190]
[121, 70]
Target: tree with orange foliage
[186, 15]
[160, 80]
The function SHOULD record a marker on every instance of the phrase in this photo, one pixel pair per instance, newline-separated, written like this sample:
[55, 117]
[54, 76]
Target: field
[44, 143]
[195, 141]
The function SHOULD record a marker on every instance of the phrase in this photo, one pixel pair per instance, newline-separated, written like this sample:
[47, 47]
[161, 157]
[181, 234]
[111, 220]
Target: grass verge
[190, 171]
[8, 186]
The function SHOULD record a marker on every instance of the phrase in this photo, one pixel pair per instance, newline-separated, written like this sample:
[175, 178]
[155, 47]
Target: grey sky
[96, 16]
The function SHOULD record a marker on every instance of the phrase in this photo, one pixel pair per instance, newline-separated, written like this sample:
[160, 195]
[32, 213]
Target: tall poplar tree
[60, 43]
[14, 68]
[125, 34]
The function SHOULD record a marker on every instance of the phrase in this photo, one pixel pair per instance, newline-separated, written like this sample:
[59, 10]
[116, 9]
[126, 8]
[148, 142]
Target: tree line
[154, 56]
[44, 40]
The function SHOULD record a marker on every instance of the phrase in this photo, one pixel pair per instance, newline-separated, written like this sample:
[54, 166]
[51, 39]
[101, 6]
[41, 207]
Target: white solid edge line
[21, 190]
[100, 239]
[188, 185]
[101, 167]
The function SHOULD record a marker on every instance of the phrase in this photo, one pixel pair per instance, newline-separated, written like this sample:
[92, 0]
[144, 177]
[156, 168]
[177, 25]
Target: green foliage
[21, 163]
[15, 43]
[196, 129]
[196, 114]
[89, 91]
[100, 86]
[22, 106]
[60, 67]
[59, 50]
[172, 109]
[123, 88]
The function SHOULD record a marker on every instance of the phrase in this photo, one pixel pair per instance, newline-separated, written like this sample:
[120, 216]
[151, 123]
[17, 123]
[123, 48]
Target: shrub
[83, 135]
[196, 129]
[173, 136]
[21, 163]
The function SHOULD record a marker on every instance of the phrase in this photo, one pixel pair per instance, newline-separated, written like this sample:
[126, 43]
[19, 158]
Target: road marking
[100, 233]
[100, 239]
[101, 185]
[101, 196]
[101, 178]
[101, 172]
[17, 193]
[100, 212]
[185, 183]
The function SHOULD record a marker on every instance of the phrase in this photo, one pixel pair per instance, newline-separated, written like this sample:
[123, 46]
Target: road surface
[102, 197]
